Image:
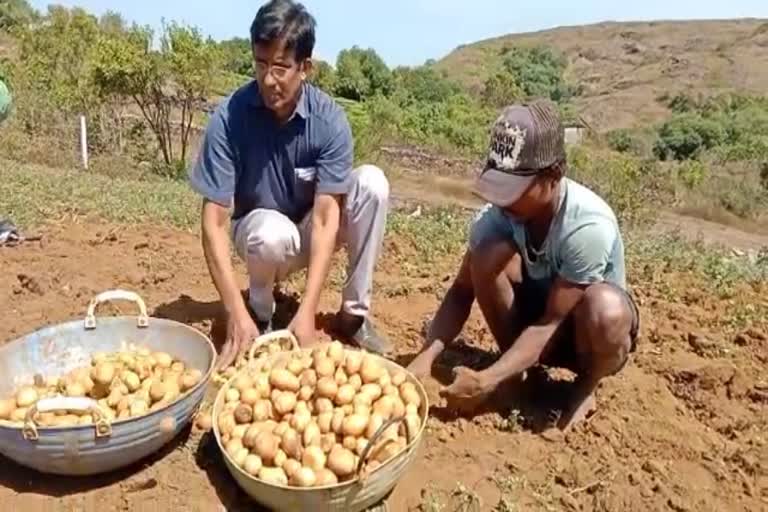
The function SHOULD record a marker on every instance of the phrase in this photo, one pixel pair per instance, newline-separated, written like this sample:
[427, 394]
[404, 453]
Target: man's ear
[307, 67]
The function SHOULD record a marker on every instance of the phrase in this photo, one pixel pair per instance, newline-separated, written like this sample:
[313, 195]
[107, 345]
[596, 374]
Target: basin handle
[265, 339]
[110, 295]
[64, 403]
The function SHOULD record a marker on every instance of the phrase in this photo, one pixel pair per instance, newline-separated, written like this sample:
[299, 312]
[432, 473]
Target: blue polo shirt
[248, 161]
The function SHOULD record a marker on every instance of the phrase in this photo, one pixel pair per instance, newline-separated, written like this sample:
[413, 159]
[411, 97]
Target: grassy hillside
[625, 67]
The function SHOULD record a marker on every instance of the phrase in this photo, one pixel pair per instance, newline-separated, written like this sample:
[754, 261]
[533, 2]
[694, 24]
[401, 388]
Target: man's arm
[528, 348]
[334, 168]
[213, 177]
[216, 248]
[326, 217]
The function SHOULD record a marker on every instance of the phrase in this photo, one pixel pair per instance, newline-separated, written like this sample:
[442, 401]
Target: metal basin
[363, 493]
[56, 350]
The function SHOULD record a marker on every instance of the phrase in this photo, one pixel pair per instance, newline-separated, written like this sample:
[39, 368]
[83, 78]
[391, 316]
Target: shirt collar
[302, 107]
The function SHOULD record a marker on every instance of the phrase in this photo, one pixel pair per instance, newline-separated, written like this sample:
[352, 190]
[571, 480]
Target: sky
[408, 32]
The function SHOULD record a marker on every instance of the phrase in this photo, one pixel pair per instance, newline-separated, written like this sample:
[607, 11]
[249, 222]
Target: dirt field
[683, 428]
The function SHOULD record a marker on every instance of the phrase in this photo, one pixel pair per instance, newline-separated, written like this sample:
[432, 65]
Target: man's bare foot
[579, 410]
[421, 366]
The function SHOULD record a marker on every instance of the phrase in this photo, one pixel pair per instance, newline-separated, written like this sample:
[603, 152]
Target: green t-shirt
[5, 101]
[584, 244]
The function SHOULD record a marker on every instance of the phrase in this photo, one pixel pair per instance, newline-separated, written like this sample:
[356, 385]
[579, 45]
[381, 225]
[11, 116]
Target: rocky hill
[626, 67]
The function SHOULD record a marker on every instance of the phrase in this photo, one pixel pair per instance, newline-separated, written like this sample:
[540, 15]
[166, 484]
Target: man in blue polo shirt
[277, 158]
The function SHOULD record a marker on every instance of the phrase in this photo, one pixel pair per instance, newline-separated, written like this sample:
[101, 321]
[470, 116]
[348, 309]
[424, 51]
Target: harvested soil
[683, 427]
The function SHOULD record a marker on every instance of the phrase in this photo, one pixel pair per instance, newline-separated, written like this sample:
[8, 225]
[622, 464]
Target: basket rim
[408, 451]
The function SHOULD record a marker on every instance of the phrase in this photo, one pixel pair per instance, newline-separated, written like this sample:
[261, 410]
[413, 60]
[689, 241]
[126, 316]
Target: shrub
[621, 140]
[686, 135]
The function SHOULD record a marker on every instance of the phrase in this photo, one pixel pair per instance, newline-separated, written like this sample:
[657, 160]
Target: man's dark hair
[288, 20]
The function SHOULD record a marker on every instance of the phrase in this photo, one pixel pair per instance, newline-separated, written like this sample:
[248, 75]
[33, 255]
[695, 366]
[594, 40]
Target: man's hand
[468, 391]
[241, 331]
[303, 327]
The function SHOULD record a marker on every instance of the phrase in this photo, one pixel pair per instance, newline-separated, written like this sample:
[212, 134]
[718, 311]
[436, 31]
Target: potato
[354, 425]
[233, 447]
[340, 377]
[372, 390]
[391, 391]
[189, 379]
[158, 390]
[295, 366]
[355, 381]
[311, 435]
[306, 393]
[124, 404]
[299, 421]
[384, 406]
[7, 406]
[139, 408]
[304, 477]
[162, 359]
[291, 466]
[252, 464]
[324, 421]
[26, 396]
[226, 423]
[375, 421]
[327, 442]
[291, 444]
[363, 399]
[251, 433]
[353, 362]
[362, 410]
[302, 407]
[178, 367]
[349, 442]
[266, 447]
[103, 374]
[98, 358]
[232, 395]
[409, 394]
[204, 422]
[284, 380]
[411, 425]
[371, 371]
[243, 414]
[385, 379]
[262, 385]
[337, 421]
[336, 352]
[249, 396]
[362, 444]
[281, 428]
[75, 389]
[345, 395]
[323, 405]
[324, 367]
[274, 476]
[285, 403]
[314, 457]
[131, 381]
[262, 410]
[308, 378]
[326, 478]
[342, 462]
[242, 382]
[398, 407]
[19, 414]
[280, 458]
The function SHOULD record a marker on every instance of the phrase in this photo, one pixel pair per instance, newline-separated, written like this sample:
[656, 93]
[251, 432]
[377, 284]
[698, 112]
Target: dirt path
[712, 232]
[682, 428]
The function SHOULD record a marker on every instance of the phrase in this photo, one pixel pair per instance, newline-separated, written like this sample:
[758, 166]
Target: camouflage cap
[525, 139]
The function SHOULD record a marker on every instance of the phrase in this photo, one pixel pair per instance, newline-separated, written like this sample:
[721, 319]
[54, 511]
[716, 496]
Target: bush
[685, 136]
[621, 140]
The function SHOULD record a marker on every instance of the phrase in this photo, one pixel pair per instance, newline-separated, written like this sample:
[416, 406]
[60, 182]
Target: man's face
[534, 200]
[279, 76]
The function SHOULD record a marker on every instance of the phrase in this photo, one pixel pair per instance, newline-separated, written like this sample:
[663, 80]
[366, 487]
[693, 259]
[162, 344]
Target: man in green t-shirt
[545, 262]
[5, 101]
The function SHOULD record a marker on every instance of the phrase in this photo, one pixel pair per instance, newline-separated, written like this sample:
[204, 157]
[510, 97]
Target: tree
[167, 84]
[500, 90]
[539, 72]
[16, 13]
[324, 76]
[424, 84]
[361, 74]
[237, 56]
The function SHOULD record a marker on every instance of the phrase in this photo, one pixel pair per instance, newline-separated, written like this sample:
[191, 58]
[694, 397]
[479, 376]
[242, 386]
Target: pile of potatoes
[126, 384]
[306, 420]
[260, 353]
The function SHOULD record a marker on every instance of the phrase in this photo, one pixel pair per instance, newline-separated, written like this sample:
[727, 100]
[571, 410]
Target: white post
[84, 142]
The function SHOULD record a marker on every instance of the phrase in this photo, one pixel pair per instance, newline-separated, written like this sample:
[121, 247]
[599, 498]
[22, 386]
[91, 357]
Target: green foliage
[16, 13]
[687, 135]
[324, 76]
[424, 84]
[631, 187]
[621, 140]
[361, 74]
[166, 84]
[501, 90]
[539, 71]
[237, 56]
[692, 173]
